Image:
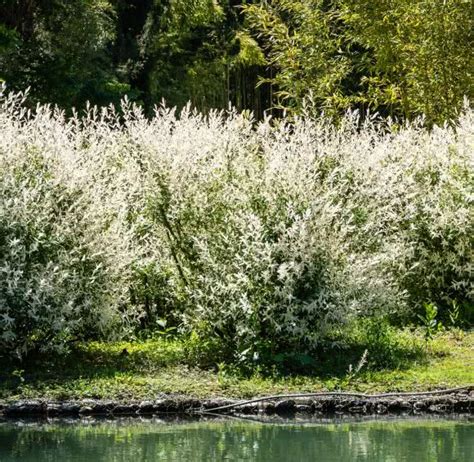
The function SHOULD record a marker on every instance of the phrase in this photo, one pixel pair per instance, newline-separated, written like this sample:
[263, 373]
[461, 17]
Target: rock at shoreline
[458, 402]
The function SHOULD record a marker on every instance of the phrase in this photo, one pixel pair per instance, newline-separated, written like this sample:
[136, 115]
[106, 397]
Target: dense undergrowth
[251, 240]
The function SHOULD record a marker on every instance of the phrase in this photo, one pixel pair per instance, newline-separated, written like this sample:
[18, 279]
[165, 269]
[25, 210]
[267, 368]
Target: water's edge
[460, 402]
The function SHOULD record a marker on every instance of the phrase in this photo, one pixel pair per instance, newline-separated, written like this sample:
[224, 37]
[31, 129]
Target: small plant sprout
[453, 314]
[362, 362]
[430, 323]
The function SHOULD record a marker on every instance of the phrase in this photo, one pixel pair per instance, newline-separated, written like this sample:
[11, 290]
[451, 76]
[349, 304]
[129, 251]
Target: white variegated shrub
[60, 278]
[265, 235]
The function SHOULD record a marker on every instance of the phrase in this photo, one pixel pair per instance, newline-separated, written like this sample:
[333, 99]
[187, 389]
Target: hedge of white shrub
[270, 233]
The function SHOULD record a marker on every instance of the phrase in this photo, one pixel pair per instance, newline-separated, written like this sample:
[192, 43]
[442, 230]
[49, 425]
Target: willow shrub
[262, 236]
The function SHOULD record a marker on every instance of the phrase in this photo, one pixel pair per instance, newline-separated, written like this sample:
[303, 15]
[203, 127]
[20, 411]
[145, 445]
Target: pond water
[237, 440]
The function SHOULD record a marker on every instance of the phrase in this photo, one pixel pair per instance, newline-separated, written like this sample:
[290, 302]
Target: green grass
[153, 368]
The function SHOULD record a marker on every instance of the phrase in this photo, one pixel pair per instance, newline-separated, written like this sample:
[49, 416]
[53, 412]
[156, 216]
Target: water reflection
[221, 440]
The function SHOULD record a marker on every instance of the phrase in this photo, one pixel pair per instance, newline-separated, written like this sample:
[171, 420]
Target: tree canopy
[398, 57]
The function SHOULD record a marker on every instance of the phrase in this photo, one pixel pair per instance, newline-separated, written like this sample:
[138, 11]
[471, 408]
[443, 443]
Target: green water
[231, 440]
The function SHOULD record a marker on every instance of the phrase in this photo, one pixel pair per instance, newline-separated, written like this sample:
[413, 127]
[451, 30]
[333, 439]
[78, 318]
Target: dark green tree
[60, 49]
[399, 57]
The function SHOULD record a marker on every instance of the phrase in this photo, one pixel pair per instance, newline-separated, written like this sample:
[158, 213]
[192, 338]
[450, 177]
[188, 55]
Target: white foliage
[258, 232]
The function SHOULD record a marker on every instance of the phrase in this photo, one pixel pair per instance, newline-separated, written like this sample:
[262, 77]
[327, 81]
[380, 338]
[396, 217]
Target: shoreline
[455, 402]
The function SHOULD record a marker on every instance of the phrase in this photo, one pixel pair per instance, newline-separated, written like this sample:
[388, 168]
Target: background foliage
[400, 57]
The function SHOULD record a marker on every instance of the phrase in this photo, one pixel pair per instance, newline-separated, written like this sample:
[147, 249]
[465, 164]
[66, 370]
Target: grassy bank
[148, 369]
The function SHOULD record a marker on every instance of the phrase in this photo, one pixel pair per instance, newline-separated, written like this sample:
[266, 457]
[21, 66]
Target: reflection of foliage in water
[212, 441]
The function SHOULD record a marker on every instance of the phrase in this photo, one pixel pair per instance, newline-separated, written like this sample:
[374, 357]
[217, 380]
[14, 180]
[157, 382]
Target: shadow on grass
[87, 361]
[371, 348]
